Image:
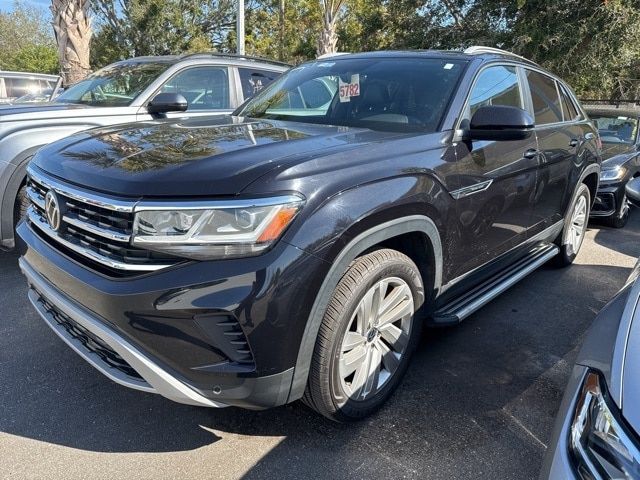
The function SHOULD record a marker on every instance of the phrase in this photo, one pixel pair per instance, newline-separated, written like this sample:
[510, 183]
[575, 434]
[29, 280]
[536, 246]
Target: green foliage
[26, 41]
[594, 44]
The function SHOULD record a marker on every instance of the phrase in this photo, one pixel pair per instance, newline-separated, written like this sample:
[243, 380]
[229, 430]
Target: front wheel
[575, 227]
[366, 337]
[621, 217]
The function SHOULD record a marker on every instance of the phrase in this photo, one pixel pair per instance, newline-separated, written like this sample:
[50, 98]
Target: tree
[332, 11]
[160, 27]
[72, 28]
[26, 41]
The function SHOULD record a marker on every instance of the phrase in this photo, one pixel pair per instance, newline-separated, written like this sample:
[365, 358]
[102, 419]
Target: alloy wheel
[578, 225]
[376, 339]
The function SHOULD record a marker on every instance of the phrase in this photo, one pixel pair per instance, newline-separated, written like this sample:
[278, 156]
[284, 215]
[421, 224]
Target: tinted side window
[568, 107]
[253, 80]
[496, 86]
[205, 88]
[546, 103]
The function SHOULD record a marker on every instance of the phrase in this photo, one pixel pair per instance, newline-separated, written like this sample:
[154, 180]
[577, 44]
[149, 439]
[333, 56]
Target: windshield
[616, 129]
[396, 94]
[113, 86]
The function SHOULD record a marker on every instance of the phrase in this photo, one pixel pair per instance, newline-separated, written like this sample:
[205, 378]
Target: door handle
[531, 153]
[573, 143]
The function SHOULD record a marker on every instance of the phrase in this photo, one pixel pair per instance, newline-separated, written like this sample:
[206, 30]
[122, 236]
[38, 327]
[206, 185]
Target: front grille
[89, 340]
[99, 234]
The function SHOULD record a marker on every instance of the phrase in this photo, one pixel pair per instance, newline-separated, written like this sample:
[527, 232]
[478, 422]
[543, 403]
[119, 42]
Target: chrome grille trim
[103, 232]
[44, 227]
[80, 195]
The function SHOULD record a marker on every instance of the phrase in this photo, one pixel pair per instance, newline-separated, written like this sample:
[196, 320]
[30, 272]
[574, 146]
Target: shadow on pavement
[624, 240]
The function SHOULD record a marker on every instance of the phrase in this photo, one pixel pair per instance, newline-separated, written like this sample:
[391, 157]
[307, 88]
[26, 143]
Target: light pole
[240, 27]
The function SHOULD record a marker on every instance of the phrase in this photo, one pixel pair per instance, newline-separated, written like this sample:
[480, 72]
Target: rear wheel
[366, 337]
[575, 227]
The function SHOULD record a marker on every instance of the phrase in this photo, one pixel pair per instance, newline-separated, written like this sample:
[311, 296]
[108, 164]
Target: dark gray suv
[294, 249]
[139, 89]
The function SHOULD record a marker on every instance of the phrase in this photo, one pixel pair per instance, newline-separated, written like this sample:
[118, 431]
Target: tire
[621, 217]
[577, 217]
[21, 205]
[332, 389]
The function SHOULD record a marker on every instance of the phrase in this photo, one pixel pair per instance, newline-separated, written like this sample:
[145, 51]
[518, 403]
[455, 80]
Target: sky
[7, 5]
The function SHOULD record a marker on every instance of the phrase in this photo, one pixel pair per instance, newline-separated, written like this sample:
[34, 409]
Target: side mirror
[633, 191]
[168, 102]
[500, 122]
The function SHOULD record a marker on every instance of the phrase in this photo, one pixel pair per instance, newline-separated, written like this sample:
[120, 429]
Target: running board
[460, 308]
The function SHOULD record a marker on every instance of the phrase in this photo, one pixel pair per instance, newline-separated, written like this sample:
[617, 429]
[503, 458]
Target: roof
[469, 53]
[173, 59]
[28, 74]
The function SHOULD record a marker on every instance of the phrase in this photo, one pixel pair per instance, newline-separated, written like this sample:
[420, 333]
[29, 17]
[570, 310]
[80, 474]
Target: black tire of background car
[323, 392]
[621, 217]
[565, 258]
[21, 205]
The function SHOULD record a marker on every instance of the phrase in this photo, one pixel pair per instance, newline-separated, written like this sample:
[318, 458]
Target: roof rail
[334, 54]
[478, 49]
[236, 57]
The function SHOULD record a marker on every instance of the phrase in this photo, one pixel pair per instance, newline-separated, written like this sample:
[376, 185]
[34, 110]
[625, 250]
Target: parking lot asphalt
[478, 401]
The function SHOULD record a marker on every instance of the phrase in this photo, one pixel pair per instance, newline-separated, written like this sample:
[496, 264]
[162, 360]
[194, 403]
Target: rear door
[497, 178]
[558, 142]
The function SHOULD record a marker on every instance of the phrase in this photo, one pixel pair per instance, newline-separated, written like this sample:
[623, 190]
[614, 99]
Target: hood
[630, 382]
[616, 160]
[612, 150]
[194, 157]
[57, 111]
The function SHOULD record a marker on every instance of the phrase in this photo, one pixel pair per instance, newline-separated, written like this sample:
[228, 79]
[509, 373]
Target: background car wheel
[621, 217]
[366, 337]
[575, 227]
[21, 205]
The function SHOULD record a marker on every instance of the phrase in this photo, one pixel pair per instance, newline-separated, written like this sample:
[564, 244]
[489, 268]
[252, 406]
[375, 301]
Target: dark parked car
[293, 250]
[618, 127]
[138, 89]
[597, 433]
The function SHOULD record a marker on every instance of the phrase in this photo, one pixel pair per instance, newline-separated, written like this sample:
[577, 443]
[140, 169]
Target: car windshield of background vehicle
[616, 129]
[113, 86]
[399, 94]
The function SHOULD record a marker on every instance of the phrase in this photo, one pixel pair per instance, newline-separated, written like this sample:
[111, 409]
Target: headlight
[601, 445]
[221, 229]
[611, 174]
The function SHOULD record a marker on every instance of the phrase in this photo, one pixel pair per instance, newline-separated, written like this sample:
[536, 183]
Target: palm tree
[331, 12]
[72, 28]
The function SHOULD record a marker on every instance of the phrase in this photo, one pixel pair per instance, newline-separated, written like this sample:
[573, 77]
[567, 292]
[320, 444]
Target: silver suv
[139, 89]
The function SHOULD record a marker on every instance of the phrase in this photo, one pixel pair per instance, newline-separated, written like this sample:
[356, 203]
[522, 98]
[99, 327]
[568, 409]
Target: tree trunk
[72, 28]
[328, 41]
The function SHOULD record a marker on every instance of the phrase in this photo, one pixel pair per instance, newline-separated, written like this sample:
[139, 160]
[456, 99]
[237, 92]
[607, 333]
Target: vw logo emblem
[52, 210]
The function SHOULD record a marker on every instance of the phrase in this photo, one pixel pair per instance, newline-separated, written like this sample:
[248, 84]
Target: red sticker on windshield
[351, 89]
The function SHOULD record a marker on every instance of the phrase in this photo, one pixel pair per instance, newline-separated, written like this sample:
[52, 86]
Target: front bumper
[608, 199]
[201, 333]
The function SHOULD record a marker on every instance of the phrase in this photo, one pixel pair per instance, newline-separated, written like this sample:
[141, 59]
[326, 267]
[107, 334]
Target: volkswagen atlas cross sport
[293, 249]
[139, 89]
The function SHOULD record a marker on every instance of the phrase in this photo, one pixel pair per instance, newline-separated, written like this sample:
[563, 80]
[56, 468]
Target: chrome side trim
[505, 285]
[471, 189]
[157, 380]
[102, 232]
[106, 261]
[549, 232]
[80, 195]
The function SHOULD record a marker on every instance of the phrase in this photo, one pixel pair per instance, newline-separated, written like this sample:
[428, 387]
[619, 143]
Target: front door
[497, 178]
